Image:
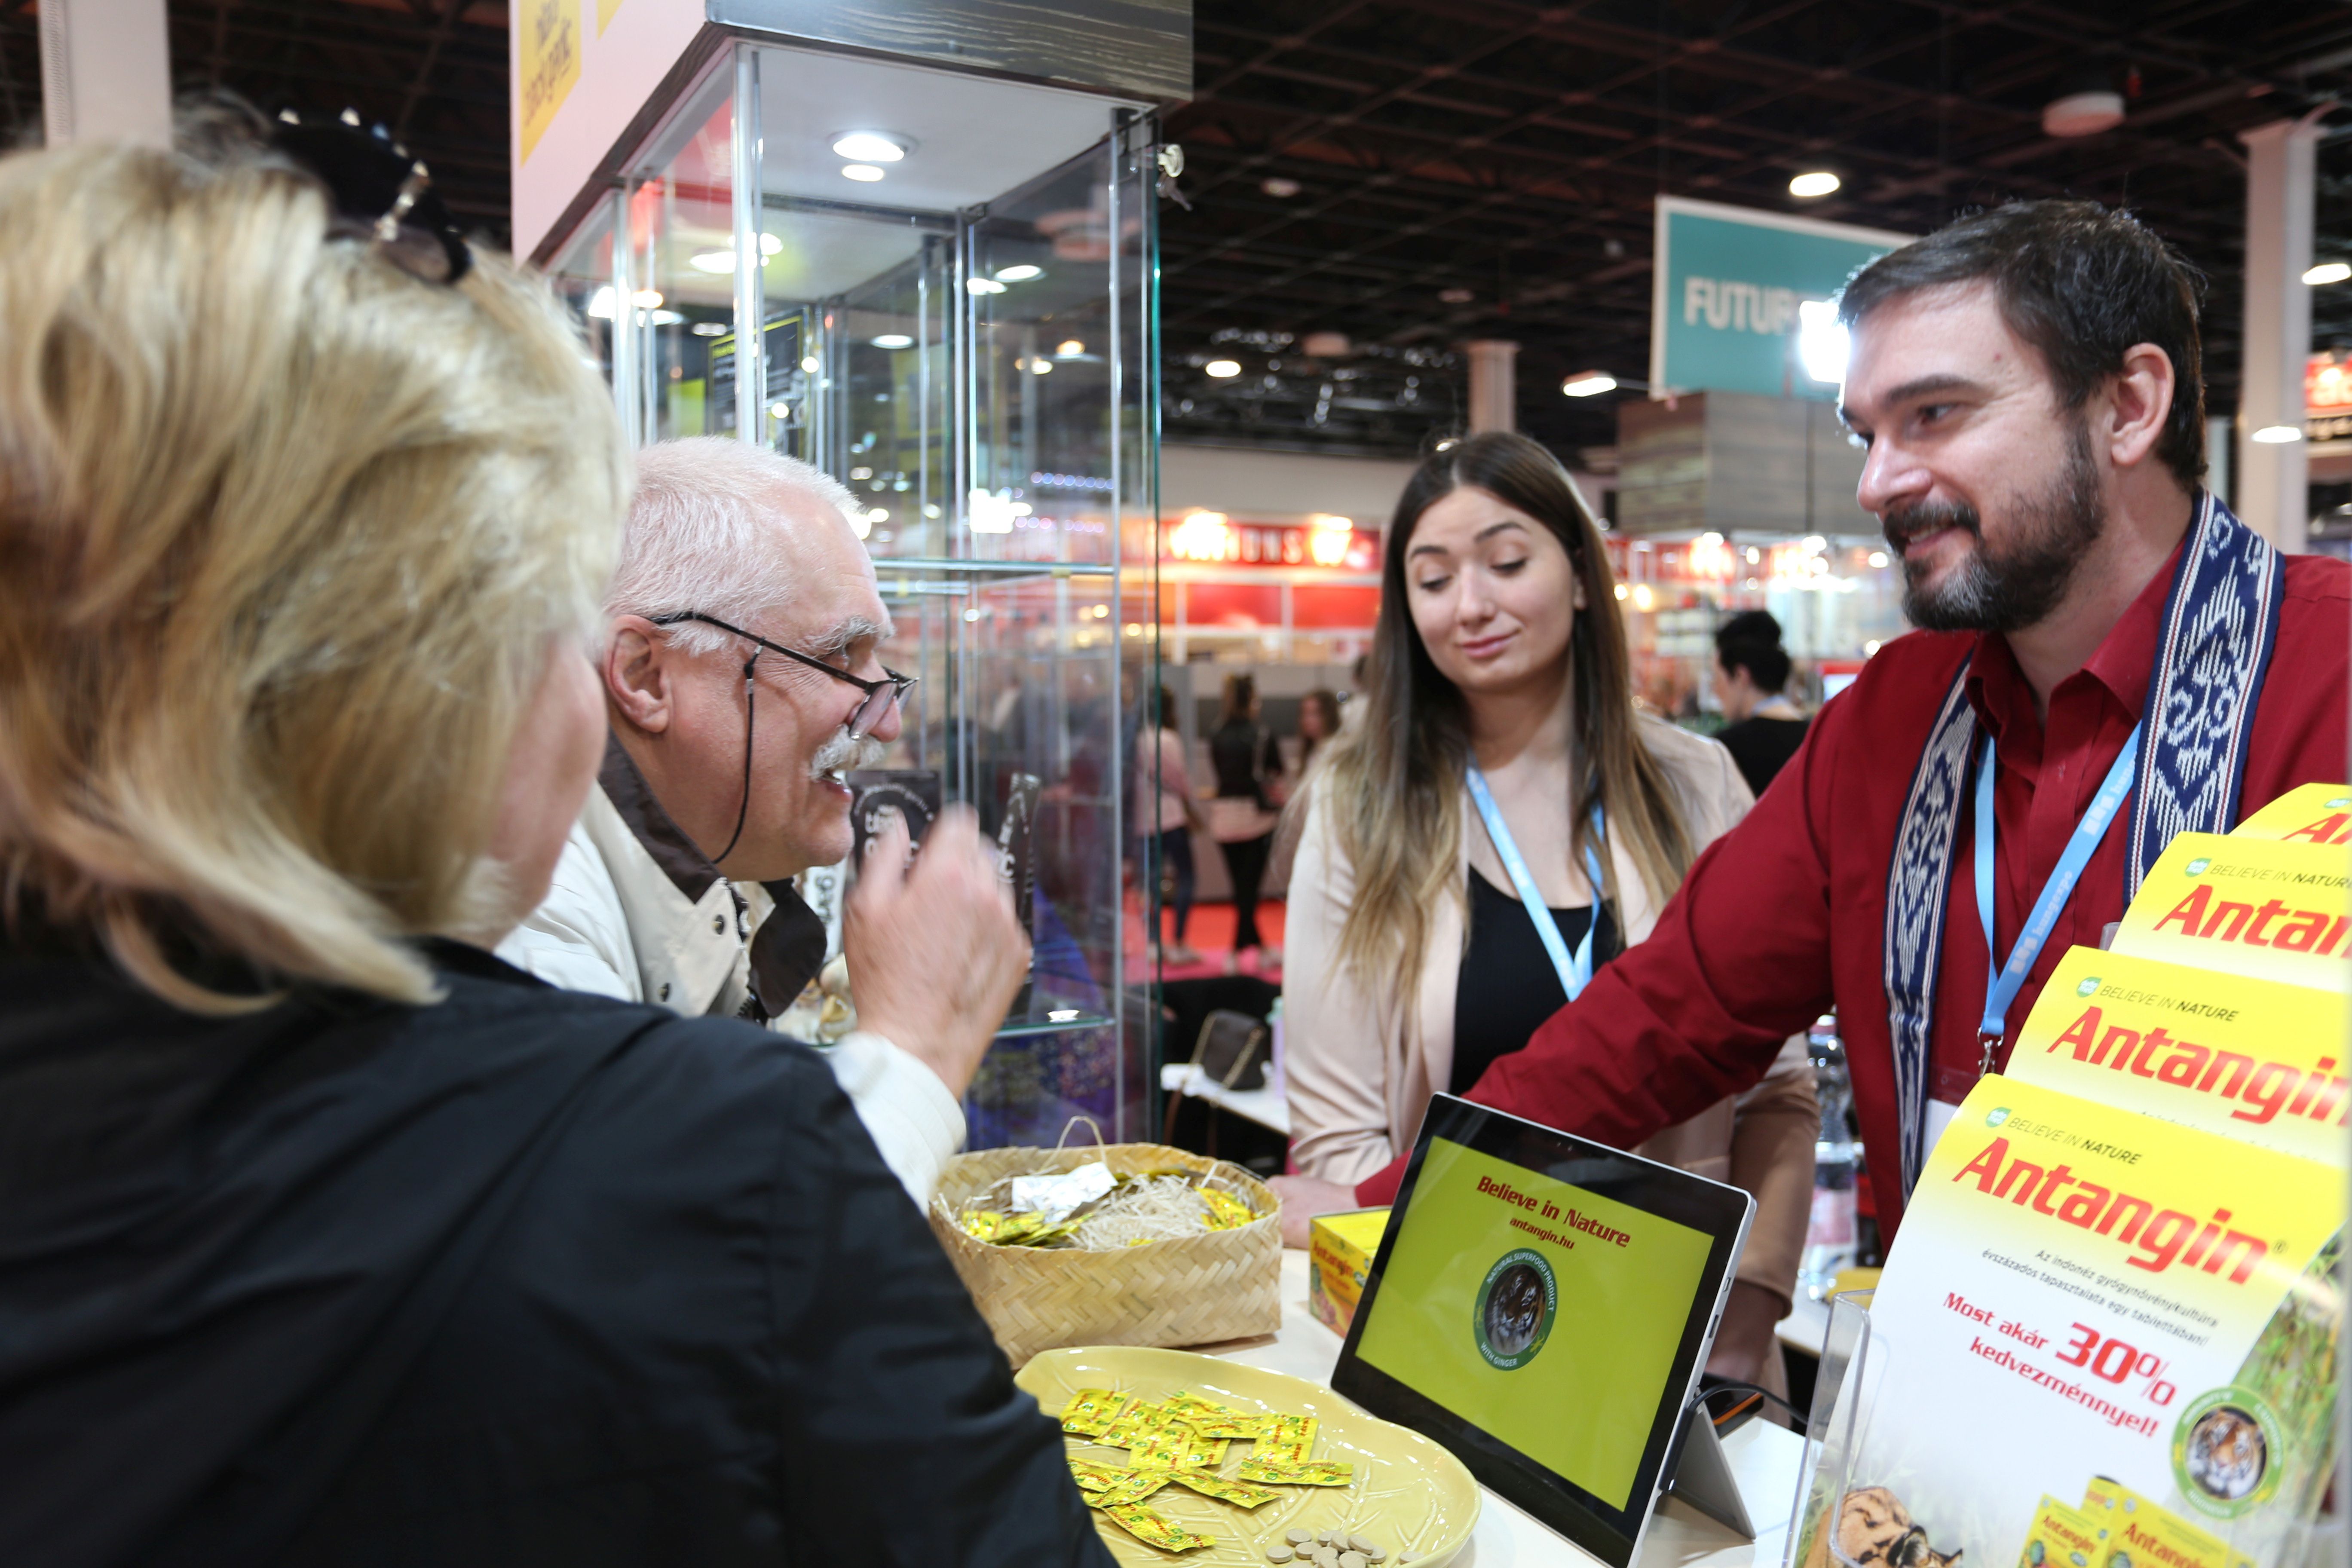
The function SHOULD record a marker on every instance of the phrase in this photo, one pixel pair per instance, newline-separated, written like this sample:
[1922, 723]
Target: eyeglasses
[381, 195]
[880, 695]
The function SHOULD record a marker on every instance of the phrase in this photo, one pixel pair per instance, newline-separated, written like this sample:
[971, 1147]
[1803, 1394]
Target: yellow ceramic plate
[1408, 1494]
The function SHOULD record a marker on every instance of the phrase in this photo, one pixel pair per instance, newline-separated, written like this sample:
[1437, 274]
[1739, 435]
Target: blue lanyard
[2002, 981]
[1575, 972]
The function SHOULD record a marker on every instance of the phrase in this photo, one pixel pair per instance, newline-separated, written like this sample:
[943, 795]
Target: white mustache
[842, 754]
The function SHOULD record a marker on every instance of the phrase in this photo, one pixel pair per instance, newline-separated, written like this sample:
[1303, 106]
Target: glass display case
[937, 287]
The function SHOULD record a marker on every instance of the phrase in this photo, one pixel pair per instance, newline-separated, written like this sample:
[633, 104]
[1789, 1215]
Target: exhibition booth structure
[918, 252]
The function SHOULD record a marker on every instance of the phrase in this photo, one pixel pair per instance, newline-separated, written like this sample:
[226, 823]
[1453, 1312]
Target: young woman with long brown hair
[1502, 766]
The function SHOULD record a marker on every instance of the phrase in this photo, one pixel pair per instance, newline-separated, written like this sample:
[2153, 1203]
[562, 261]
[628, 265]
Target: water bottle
[1829, 1235]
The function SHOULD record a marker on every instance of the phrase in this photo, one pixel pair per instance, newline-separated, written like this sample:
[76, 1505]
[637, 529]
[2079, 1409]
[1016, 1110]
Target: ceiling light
[866, 173]
[893, 341]
[1070, 348]
[873, 146]
[1221, 368]
[1455, 295]
[810, 364]
[1589, 383]
[648, 299]
[1040, 365]
[713, 261]
[1020, 272]
[982, 286]
[2277, 435]
[2328, 272]
[600, 303]
[709, 329]
[1815, 182]
[666, 318]
[1277, 187]
[2082, 114]
[1821, 340]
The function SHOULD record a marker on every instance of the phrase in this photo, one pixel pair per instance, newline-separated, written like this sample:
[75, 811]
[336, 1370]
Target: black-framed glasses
[880, 695]
[380, 193]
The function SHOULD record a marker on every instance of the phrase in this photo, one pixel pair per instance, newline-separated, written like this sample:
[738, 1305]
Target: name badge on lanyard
[1576, 969]
[2004, 981]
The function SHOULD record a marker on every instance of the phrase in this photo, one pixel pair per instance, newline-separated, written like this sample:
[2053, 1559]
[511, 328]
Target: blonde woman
[1502, 776]
[328, 1237]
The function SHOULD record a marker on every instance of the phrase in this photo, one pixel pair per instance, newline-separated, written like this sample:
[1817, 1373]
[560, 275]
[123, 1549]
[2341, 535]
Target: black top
[524, 1278]
[1245, 756]
[1762, 747]
[1507, 986]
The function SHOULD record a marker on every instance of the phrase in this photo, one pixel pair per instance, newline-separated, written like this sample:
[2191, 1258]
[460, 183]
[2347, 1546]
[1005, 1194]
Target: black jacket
[524, 1278]
[1245, 756]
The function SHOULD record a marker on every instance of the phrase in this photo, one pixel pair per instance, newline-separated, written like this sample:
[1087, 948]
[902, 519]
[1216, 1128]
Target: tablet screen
[1539, 1305]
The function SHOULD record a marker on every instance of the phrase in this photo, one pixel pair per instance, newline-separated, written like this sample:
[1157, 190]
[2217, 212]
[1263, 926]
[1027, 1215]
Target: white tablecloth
[1765, 1459]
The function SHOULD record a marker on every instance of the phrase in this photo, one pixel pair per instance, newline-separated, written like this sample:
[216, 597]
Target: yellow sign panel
[2248, 1058]
[547, 44]
[606, 11]
[2274, 909]
[2312, 814]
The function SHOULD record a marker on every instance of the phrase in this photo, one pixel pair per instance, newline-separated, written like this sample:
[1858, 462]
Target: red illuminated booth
[1290, 590]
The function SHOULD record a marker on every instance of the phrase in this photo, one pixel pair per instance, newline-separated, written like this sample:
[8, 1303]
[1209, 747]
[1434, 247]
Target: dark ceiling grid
[435, 69]
[1924, 107]
[1502, 147]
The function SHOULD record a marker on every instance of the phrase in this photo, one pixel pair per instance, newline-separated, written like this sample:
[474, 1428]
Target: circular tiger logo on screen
[1513, 1317]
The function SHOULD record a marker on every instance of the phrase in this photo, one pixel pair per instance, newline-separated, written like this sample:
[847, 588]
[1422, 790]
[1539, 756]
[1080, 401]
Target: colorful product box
[1341, 1247]
[2064, 1537]
[2143, 1534]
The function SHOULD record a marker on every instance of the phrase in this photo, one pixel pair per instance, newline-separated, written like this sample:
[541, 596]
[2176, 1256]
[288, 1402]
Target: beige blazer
[1359, 1073]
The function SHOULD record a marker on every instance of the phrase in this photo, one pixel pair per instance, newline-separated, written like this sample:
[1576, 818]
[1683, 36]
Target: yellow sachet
[1240, 1494]
[1133, 1489]
[1226, 1212]
[1139, 1420]
[1093, 1478]
[1311, 1473]
[1157, 1530]
[1170, 1446]
[1091, 1411]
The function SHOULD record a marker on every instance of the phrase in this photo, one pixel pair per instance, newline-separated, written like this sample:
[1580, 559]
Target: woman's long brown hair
[1394, 784]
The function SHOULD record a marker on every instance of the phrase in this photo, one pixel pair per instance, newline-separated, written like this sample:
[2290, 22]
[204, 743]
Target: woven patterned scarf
[2220, 622]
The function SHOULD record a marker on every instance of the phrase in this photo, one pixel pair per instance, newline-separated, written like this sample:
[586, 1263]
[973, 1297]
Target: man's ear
[2137, 403]
[636, 672]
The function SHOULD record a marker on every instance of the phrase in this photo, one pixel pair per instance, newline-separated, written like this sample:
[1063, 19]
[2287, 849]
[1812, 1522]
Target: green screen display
[1544, 1314]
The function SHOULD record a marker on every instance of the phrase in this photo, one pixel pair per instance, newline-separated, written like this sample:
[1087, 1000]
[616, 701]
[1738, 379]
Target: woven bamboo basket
[1195, 1290]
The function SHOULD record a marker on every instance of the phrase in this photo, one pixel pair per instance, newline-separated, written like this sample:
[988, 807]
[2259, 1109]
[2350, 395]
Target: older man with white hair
[740, 681]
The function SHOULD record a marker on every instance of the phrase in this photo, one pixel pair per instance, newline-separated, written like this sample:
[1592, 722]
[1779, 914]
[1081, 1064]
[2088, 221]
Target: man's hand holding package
[935, 951]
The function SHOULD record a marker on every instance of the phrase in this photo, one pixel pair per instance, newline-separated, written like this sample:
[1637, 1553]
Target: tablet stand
[1703, 1477]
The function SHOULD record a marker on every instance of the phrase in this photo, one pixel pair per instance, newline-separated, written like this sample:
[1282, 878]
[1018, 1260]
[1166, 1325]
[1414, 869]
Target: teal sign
[1729, 293]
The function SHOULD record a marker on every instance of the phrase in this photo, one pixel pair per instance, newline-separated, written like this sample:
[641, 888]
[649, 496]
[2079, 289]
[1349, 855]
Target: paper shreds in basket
[1131, 1489]
[1240, 1494]
[1157, 1530]
[1312, 1473]
[1091, 1411]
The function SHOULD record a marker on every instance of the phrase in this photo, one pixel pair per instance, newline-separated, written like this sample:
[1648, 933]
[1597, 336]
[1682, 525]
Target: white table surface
[1764, 1458]
[1266, 1106]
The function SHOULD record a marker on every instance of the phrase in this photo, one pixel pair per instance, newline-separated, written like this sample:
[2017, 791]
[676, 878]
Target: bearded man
[2028, 385]
[741, 680]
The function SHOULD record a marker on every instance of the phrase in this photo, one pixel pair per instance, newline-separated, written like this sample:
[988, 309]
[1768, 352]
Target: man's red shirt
[1786, 915]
